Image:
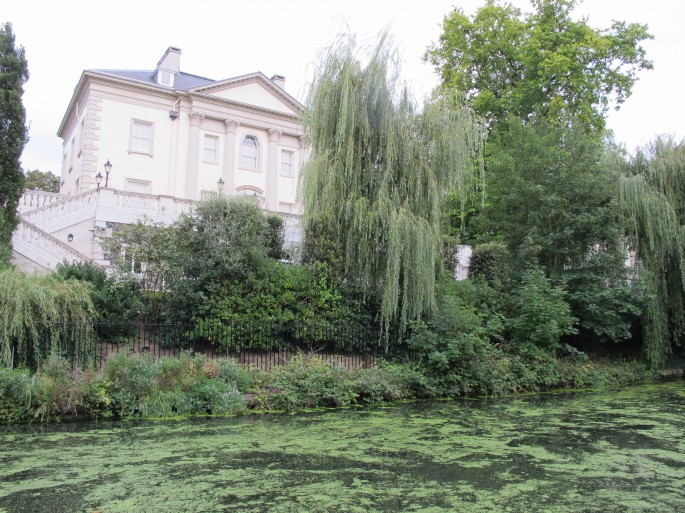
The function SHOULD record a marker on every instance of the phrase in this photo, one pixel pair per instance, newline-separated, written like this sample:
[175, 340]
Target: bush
[307, 382]
[542, 314]
[16, 395]
[490, 262]
[117, 301]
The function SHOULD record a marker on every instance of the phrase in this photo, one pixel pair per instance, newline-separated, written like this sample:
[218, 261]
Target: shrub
[490, 262]
[308, 382]
[16, 395]
[117, 300]
[542, 314]
[129, 381]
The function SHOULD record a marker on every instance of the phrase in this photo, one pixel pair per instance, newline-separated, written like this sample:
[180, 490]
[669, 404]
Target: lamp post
[98, 178]
[108, 168]
[220, 185]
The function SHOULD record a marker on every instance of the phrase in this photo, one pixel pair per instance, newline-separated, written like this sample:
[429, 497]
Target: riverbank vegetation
[142, 387]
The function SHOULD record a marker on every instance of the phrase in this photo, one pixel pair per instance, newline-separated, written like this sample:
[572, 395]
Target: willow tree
[652, 193]
[379, 171]
[40, 315]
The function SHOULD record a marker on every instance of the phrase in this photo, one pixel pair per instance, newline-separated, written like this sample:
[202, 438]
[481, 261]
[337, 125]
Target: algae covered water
[605, 451]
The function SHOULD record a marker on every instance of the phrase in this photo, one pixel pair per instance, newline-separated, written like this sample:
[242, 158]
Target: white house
[171, 138]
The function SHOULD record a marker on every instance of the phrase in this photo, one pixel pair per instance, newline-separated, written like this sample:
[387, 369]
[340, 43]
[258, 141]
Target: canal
[600, 451]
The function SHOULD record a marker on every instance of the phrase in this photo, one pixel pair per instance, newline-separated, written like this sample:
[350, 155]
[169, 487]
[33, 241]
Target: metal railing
[258, 344]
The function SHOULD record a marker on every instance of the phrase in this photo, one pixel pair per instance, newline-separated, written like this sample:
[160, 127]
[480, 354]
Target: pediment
[254, 89]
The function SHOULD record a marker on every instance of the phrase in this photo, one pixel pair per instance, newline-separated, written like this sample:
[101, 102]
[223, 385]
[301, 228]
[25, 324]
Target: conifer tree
[13, 135]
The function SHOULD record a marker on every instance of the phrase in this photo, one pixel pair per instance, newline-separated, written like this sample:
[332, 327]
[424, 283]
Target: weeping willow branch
[652, 193]
[379, 171]
[32, 307]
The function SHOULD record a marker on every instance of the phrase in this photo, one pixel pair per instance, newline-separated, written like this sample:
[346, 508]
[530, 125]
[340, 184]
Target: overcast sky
[222, 39]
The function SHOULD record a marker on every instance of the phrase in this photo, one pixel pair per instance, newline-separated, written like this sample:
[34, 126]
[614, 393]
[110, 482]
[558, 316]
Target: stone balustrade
[35, 199]
[61, 205]
[47, 250]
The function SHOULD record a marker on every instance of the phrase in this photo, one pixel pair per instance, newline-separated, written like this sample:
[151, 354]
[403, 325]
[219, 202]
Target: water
[607, 451]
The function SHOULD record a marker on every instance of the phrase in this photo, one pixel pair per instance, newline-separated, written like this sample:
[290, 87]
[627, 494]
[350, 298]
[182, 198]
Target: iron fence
[259, 344]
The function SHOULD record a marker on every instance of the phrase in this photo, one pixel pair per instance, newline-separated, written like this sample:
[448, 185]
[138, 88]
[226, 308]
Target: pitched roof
[182, 81]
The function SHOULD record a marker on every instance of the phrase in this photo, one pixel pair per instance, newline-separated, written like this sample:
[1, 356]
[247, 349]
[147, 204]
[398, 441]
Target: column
[272, 171]
[229, 156]
[193, 154]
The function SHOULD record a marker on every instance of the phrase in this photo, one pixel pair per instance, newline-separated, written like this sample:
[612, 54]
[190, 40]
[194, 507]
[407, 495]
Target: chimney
[279, 80]
[171, 60]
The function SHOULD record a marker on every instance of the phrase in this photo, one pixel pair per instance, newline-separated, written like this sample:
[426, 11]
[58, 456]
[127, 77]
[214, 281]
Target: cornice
[251, 77]
[101, 77]
[87, 75]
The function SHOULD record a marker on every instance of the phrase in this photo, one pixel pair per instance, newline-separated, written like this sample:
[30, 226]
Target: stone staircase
[54, 228]
[41, 249]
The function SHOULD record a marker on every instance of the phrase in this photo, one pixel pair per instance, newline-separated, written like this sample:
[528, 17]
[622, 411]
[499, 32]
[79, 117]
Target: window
[138, 186]
[141, 137]
[250, 190]
[211, 149]
[248, 153]
[165, 78]
[287, 161]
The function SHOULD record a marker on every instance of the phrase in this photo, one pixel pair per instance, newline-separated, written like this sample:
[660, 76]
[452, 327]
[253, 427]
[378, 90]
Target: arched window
[252, 191]
[248, 153]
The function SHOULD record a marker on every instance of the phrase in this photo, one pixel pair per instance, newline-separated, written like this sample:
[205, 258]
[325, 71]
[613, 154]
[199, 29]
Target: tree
[224, 241]
[378, 173]
[13, 135]
[42, 308]
[41, 181]
[543, 62]
[553, 203]
[652, 194]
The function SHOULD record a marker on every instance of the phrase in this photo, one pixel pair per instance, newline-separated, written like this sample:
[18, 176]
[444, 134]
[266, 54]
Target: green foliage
[148, 243]
[141, 386]
[544, 62]
[33, 307]
[116, 300]
[13, 135]
[16, 395]
[304, 302]
[542, 314]
[553, 203]
[37, 180]
[274, 236]
[377, 175]
[456, 348]
[205, 255]
[321, 244]
[491, 262]
[652, 192]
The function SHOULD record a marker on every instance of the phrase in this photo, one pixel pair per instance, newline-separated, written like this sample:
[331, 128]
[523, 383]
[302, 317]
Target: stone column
[193, 155]
[272, 171]
[229, 156]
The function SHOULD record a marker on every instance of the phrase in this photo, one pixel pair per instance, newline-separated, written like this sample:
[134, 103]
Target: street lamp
[220, 184]
[108, 168]
[98, 178]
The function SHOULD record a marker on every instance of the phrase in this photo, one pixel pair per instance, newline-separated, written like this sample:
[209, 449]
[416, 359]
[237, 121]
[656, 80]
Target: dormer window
[165, 78]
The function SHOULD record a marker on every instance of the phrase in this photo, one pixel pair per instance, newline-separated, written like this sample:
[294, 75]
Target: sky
[227, 38]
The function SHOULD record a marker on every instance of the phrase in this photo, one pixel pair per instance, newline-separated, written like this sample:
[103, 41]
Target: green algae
[618, 450]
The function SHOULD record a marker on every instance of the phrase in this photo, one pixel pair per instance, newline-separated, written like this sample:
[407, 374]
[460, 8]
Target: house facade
[171, 138]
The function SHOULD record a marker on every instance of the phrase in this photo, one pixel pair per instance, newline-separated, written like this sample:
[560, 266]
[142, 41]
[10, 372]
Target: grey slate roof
[182, 81]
